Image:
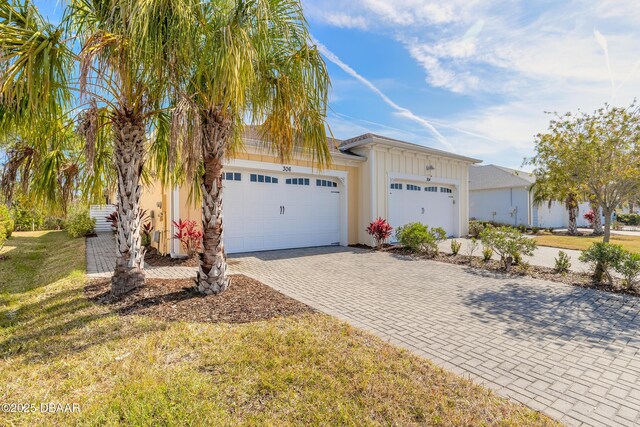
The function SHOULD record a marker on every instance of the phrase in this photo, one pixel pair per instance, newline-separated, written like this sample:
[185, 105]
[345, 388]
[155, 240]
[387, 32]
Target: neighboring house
[270, 205]
[504, 195]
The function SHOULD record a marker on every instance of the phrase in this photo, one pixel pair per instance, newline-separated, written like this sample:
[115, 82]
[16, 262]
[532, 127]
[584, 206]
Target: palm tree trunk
[212, 273]
[597, 220]
[129, 130]
[572, 207]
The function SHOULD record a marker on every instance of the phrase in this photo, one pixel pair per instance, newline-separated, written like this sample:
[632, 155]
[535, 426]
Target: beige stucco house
[270, 205]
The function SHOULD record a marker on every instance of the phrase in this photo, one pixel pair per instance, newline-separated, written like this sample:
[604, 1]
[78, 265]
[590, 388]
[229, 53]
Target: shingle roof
[492, 176]
[252, 136]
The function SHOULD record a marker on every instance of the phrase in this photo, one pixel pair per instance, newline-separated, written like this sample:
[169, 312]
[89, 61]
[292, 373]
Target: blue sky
[471, 76]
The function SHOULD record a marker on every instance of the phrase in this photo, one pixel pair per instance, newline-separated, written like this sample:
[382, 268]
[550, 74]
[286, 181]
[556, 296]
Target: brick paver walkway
[571, 353]
[101, 259]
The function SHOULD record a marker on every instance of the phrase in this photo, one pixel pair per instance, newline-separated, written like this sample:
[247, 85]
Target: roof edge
[371, 138]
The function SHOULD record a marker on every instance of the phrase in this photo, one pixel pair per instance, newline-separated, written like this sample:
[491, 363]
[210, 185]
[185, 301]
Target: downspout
[372, 184]
[175, 214]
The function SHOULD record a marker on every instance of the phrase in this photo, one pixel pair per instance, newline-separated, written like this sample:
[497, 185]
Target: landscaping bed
[246, 300]
[582, 280]
[156, 259]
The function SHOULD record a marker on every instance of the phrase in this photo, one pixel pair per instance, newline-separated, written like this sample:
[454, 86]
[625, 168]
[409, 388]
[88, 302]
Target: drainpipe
[175, 215]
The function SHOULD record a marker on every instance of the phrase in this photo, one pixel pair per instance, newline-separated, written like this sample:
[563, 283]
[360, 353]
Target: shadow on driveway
[602, 319]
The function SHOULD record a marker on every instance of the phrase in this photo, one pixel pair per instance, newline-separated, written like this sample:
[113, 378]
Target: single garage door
[432, 205]
[265, 210]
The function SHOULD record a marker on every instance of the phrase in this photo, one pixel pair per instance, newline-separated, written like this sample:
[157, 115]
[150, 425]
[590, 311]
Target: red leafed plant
[590, 216]
[190, 237]
[380, 230]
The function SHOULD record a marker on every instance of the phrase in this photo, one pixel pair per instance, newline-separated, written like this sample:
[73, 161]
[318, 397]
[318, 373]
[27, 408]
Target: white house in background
[504, 195]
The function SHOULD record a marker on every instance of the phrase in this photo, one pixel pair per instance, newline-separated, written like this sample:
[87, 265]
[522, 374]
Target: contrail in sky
[404, 112]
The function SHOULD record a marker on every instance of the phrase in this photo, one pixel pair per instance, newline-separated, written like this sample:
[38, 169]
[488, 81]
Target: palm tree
[545, 191]
[102, 60]
[256, 63]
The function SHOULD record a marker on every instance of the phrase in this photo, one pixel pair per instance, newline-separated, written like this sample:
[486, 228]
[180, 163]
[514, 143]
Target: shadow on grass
[38, 261]
[569, 313]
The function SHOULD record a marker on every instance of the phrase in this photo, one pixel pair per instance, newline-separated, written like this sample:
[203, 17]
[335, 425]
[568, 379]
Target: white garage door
[432, 205]
[264, 210]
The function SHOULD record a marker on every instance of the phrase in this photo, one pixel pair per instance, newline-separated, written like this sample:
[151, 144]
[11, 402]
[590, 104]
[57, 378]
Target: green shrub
[629, 267]
[603, 257]
[6, 222]
[473, 245]
[475, 228]
[455, 247]
[629, 219]
[522, 228]
[78, 223]
[420, 238]
[563, 263]
[3, 236]
[53, 223]
[517, 258]
[535, 230]
[486, 254]
[508, 244]
[617, 225]
[549, 229]
[26, 219]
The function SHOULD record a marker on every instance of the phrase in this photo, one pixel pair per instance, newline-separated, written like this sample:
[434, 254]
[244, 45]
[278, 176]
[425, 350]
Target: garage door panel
[432, 208]
[264, 216]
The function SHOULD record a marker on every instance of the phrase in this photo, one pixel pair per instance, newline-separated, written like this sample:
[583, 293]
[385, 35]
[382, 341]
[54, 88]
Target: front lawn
[58, 347]
[631, 243]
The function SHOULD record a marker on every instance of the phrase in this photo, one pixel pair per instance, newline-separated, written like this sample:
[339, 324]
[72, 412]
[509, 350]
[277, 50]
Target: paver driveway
[572, 353]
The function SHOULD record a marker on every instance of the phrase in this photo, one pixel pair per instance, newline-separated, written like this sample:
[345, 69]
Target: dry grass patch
[630, 243]
[309, 369]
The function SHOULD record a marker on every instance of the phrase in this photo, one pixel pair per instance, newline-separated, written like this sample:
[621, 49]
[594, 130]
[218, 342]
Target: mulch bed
[246, 300]
[155, 259]
[582, 280]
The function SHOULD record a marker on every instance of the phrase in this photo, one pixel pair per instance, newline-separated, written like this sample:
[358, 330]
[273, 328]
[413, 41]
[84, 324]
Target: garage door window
[412, 187]
[325, 183]
[396, 186]
[431, 189]
[263, 178]
[232, 176]
[297, 181]
[445, 190]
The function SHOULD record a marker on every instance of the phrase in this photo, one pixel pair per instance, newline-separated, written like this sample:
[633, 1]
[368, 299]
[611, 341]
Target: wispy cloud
[402, 111]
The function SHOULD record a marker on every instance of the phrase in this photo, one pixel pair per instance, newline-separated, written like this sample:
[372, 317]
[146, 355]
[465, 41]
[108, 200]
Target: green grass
[56, 346]
[631, 243]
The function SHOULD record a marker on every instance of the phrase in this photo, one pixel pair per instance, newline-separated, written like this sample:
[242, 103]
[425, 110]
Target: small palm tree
[256, 63]
[547, 192]
[103, 59]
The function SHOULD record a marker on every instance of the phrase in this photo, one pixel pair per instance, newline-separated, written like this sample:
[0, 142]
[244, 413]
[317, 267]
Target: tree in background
[597, 154]
[255, 63]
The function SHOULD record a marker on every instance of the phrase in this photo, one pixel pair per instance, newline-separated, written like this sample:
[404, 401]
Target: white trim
[250, 164]
[343, 178]
[175, 215]
[424, 179]
[373, 183]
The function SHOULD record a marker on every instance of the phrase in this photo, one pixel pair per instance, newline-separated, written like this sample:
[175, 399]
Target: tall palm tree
[257, 64]
[103, 60]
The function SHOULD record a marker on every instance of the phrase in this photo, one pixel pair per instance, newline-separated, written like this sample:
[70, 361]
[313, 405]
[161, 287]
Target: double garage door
[266, 210]
[432, 205]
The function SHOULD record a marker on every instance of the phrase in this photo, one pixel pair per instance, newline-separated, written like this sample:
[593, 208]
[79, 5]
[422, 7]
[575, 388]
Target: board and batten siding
[383, 163]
